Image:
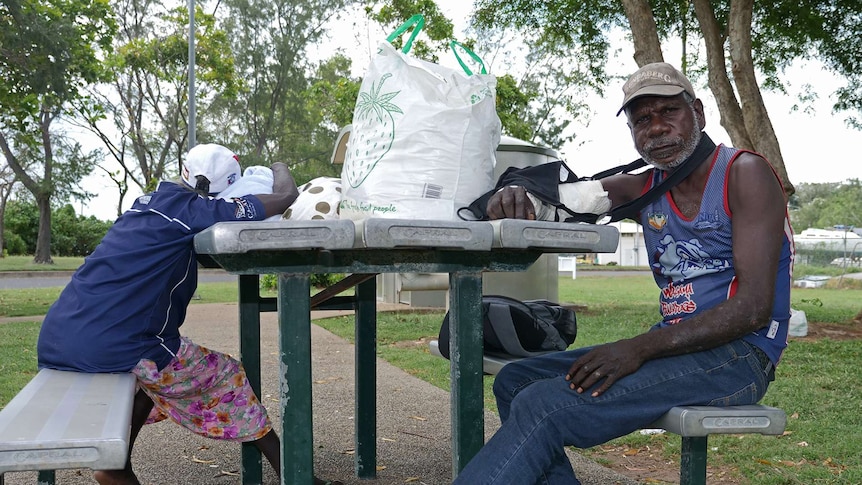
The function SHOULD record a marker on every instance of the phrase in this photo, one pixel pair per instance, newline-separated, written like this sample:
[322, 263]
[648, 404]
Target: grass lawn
[25, 263]
[818, 383]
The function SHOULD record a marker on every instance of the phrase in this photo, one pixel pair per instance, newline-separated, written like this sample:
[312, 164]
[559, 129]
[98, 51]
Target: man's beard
[688, 147]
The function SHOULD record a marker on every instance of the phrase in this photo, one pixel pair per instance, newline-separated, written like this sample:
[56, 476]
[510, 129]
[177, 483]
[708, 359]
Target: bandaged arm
[587, 197]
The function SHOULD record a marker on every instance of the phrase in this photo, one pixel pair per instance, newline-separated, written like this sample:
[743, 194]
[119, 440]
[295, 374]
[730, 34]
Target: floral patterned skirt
[206, 392]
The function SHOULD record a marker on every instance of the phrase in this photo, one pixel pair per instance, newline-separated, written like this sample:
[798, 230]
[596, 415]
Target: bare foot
[116, 477]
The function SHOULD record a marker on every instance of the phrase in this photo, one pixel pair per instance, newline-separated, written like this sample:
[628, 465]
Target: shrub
[318, 280]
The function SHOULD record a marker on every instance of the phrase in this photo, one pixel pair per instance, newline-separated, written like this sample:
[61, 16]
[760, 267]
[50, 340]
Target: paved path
[413, 439]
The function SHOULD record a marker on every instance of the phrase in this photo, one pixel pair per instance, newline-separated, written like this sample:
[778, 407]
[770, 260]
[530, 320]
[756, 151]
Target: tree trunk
[44, 189]
[5, 192]
[43, 239]
[644, 32]
[728, 108]
[2, 225]
[757, 122]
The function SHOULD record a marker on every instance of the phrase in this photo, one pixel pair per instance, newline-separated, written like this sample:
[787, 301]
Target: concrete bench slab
[68, 420]
[392, 233]
[555, 237]
[242, 237]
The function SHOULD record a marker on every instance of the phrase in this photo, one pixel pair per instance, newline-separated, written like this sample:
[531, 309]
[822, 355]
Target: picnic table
[294, 250]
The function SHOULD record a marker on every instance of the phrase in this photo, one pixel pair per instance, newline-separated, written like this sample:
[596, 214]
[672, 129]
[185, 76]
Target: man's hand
[608, 362]
[284, 191]
[512, 203]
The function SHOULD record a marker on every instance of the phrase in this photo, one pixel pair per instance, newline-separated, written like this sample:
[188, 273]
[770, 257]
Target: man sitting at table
[123, 309]
[720, 248]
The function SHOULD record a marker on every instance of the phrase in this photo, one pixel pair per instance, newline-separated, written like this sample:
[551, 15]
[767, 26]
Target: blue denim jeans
[541, 415]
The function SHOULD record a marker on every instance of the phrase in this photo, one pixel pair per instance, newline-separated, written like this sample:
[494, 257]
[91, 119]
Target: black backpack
[520, 328]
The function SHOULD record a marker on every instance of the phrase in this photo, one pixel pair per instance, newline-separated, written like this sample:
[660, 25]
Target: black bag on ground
[520, 328]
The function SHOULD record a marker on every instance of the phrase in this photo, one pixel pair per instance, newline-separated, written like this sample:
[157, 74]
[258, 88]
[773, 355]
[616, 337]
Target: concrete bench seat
[67, 420]
[693, 424]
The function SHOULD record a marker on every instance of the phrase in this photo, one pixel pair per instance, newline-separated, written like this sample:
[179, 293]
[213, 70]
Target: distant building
[631, 250]
[811, 281]
[836, 240]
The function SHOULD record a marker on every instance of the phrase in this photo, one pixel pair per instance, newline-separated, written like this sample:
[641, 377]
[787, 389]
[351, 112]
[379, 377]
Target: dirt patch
[832, 331]
[409, 344]
[648, 465]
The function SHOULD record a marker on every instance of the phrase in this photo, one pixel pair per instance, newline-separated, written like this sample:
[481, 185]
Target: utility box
[541, 281]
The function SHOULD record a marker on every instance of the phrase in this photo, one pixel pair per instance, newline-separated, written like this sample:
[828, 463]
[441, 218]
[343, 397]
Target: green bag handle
[419, 21]
[454, 45]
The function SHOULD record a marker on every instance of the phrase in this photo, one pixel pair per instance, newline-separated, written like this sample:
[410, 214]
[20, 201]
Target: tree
[271, 121]
[141, 115]
[50, 50]
[539, 105]
[329, 101]
[742, 40]
[7, 184]
[827, 205]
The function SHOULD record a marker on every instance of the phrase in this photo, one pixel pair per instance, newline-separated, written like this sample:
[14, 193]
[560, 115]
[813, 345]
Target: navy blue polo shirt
[128, 300]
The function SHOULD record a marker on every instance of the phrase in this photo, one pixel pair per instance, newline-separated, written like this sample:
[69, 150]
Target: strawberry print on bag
[374, 130]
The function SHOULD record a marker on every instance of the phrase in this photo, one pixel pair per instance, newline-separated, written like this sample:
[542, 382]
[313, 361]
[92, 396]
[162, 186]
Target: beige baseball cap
[656, 79]
[218, 164]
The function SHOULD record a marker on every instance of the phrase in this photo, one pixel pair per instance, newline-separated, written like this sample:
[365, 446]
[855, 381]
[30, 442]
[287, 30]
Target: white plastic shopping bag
[423, 137]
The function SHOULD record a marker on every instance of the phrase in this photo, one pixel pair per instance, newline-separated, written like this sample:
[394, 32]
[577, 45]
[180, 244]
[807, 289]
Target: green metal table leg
[45, 477]
[692, 467]
[365, 367]
[249, 351]
[465, 328]
[294, 323]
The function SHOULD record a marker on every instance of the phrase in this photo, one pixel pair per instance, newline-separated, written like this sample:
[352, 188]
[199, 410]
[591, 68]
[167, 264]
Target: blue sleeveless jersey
[692, 260]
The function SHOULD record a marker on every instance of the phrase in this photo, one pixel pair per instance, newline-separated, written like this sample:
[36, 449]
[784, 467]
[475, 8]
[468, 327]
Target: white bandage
[588, 197]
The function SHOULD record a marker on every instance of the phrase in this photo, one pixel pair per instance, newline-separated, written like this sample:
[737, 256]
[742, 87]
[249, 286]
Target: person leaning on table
[720, 250]
[123, 309]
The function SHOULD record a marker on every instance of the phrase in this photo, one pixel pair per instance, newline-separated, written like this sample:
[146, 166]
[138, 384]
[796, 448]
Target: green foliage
[50, 49]
[332, 93]
[74, 235]
[21, 226]
[269, 282]
[147, 100]
[826, 205]
[512, 105]
[71, 235]
[274, 118]
[782, 32]
[580, 27]
[438, 29]
[13, 244]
